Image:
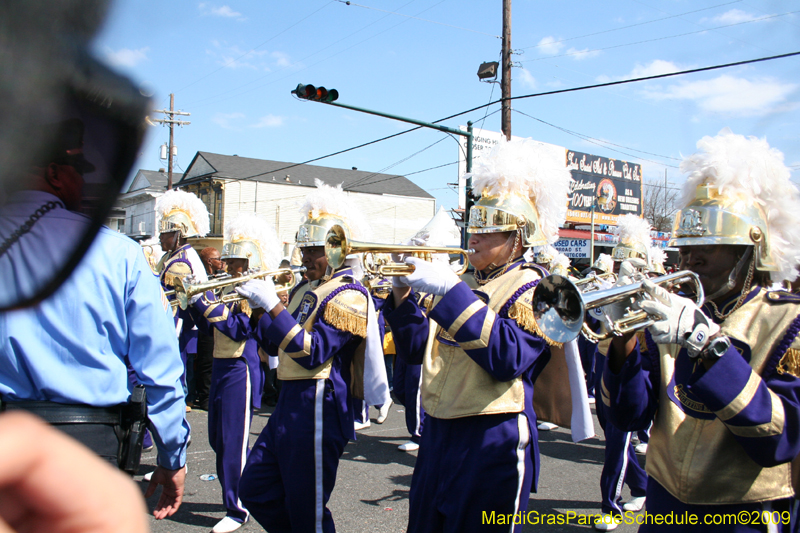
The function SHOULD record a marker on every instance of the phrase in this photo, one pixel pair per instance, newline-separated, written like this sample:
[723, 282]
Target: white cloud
[222, 11]
[126, 57]
[281, 59]
[734, 16]
[654, 68]
[228, 121]
[729, 95]
[233, 57]
[549, 46]
[579, 55]
[269, 121]
[527, 79]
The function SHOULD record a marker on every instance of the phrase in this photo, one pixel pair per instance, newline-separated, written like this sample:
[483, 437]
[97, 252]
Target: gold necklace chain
[740, 301]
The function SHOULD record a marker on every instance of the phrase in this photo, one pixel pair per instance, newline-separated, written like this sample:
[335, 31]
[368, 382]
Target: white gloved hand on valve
[432, 278]
[680, 320]
[260, 293]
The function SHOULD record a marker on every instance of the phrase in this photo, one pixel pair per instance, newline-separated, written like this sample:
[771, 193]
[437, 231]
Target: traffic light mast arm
[468, 157]
[325, 96]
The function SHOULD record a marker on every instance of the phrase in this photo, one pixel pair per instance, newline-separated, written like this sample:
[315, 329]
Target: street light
[488, 70]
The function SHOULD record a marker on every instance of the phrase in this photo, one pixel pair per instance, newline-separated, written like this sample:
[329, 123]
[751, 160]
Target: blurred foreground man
[723, 392]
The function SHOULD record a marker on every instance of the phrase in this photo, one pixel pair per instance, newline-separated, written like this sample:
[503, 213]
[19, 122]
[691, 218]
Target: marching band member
[723, 389]
[482, 350]
[602, 265]
[181, 215]
[330, 326]
[236, 376]
[620, 465]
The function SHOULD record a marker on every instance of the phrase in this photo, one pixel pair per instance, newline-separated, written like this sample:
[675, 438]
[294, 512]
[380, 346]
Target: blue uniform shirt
[72, 348]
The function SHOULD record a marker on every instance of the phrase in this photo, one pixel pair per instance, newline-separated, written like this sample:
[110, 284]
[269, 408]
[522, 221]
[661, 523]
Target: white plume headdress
[253, 228]
[327, 200]
[746, 171]
[657, 256]
[633, 230]
[531, 170]
[187, 203]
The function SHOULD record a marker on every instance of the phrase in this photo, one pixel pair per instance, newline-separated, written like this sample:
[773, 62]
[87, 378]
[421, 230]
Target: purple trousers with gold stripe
[470, 469]
[291, 471]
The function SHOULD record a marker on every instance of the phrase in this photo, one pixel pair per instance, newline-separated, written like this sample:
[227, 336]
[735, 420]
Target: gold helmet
[523, 186]
[739, 193]
[184, 212]
[634, 239]
[248, 236]
[325, 207]
[657, 258]
[712, 218]
[604, 263]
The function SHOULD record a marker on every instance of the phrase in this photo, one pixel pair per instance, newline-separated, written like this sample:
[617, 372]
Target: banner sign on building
[615, 186]
[573, 248]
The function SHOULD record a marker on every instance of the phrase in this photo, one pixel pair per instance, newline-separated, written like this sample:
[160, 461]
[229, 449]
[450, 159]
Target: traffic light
[318, 94]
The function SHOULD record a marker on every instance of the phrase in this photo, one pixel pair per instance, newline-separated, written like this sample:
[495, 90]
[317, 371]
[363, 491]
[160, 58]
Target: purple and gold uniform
[722, 439]
[480, 353]
[179, 264]
[292, 468]
[236, 384]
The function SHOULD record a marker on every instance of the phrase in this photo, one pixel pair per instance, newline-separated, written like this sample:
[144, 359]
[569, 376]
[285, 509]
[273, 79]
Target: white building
[395, 206]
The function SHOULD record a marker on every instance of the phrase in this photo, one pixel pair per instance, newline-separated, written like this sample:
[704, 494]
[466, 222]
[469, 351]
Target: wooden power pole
[505, 82]
[170, 121]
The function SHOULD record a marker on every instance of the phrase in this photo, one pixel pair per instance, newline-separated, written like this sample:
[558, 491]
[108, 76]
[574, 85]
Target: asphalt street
[371, 493]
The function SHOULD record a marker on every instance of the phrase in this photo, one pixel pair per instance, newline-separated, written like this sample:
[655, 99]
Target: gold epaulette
[347, 311]
[521, 311]
[175, 271]
[779, 297]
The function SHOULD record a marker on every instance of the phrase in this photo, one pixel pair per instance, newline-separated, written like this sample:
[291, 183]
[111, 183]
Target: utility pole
[171, 122]
[505, 82]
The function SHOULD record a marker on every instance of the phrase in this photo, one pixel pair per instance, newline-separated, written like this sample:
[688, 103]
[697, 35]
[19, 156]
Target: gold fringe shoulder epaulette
[347, 311]
[175, 271]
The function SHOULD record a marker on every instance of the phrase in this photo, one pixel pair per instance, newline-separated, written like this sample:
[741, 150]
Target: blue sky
[232, 65]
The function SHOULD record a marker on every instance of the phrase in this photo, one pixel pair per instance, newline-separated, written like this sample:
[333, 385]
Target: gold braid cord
[790, 362]
[745, 291]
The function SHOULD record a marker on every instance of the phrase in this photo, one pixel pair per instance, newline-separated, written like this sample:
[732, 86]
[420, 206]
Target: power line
[658, 38]
[629, 26]
[347, 2]
[600, 142]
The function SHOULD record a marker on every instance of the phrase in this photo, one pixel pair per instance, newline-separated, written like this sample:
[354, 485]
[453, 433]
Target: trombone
[338, 246]
[560, 308]
[185, 289]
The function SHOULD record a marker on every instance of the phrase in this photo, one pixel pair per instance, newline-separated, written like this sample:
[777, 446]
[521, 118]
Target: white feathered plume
[657, 256]
[334, 201]
[441, 230]
[251, 227]
[633, 230]
[188, 203]
[530, 169]
[560, 261]
[747, 170]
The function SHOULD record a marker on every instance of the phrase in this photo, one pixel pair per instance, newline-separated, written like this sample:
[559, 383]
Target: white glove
[681, 321]
[260, 293]
[432, 278]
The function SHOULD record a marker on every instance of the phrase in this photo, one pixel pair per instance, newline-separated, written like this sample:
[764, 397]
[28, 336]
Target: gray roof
[207, 165]
[157, 179]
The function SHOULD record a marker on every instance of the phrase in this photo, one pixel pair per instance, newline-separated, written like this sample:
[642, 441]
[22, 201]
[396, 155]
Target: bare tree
[660, 204]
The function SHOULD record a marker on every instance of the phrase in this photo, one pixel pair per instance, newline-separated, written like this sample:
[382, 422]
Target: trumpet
[185, 289]
[560, 307]
[594, 282]
[338, 246]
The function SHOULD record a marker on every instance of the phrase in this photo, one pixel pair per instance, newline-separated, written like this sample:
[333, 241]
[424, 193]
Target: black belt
[59, 413]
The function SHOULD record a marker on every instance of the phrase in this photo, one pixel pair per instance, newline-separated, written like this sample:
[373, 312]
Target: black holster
[134, 425]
